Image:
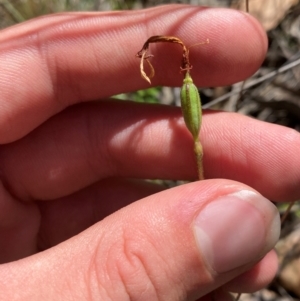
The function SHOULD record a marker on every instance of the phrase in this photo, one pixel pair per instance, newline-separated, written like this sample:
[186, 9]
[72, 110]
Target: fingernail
[236, 229]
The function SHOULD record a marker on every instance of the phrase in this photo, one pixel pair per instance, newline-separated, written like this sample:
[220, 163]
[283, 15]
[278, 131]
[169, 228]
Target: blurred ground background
[272, 94]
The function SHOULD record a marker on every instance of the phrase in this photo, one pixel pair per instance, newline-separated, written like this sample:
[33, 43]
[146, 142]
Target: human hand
[64, 168]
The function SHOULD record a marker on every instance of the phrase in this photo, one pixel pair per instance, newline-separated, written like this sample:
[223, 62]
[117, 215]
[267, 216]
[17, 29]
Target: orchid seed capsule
[192, 114]
[191, 106]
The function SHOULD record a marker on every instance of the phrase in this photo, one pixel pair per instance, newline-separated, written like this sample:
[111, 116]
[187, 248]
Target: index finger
[55, 61]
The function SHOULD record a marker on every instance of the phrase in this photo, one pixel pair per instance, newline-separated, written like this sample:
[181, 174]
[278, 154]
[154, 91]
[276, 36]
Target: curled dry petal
[142, 54]
[143, 73]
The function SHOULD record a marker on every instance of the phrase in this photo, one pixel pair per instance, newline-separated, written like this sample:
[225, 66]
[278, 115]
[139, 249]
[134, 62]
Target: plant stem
[199, 155]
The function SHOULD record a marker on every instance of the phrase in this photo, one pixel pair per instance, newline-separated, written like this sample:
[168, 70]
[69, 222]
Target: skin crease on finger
[81, 56]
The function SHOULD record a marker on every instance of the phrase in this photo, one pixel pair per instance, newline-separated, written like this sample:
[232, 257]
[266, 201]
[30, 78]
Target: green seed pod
[192, 114]
[191, 106]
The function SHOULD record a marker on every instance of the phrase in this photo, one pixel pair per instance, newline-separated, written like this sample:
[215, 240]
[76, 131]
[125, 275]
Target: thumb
[178, 244]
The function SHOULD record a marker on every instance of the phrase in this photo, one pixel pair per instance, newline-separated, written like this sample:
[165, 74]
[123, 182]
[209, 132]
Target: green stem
[199, 155]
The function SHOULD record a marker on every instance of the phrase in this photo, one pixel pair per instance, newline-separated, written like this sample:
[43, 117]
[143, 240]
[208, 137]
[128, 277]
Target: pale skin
[59, 165]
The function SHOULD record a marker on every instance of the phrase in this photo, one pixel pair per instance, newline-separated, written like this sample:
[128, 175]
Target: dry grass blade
[253, 83]
[287, 211]
[12, 11]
